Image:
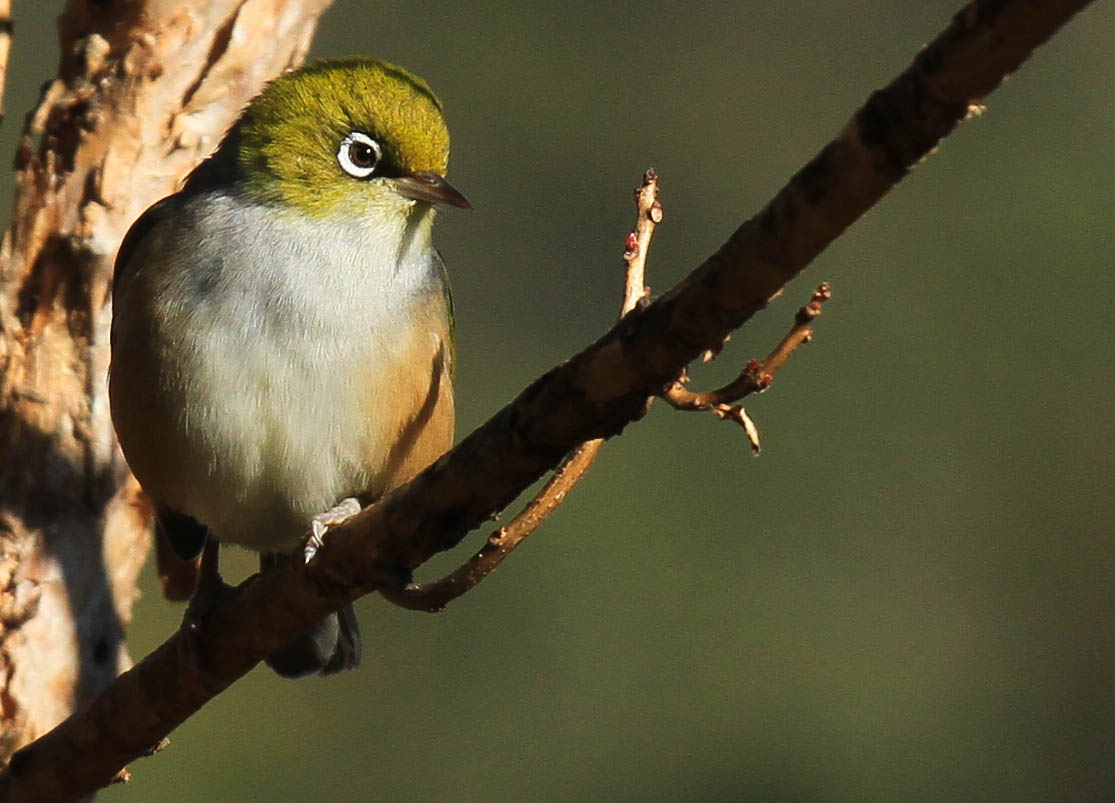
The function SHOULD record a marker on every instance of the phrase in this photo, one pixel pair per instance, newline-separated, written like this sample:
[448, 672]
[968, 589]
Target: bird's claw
[321, 523]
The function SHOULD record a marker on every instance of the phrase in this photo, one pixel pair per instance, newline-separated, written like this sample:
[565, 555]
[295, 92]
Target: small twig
[754, 378]
[433, 597]
[649, 215]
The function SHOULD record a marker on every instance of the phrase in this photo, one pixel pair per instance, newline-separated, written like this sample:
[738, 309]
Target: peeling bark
[145, 90]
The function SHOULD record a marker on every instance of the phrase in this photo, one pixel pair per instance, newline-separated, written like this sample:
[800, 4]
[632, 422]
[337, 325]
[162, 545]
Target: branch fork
[755, 377]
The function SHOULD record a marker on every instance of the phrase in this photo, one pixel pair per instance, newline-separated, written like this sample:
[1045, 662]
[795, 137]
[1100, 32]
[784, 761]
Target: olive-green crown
[290, 133]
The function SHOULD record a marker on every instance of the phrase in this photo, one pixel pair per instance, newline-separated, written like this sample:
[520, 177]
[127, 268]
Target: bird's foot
[321, 523]
[210, 587]
[388, 575]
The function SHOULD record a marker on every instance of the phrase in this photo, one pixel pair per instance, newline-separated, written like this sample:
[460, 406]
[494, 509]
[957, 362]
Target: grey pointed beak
[431, 188]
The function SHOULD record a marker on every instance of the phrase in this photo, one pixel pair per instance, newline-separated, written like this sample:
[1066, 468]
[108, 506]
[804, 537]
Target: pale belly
[259, 436]
[253, 398]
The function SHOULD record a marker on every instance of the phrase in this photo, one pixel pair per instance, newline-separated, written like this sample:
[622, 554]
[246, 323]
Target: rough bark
[144, 91]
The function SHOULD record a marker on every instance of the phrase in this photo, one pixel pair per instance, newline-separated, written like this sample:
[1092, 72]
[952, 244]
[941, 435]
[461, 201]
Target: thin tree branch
[648, 214]
[754, 378]
[593, 395]
[433, 597]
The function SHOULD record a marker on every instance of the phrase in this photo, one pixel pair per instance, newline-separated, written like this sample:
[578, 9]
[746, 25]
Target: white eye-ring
[359, 154]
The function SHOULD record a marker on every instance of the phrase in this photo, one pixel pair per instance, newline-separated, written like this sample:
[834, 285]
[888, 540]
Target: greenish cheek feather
[329, 197]
[290, 135]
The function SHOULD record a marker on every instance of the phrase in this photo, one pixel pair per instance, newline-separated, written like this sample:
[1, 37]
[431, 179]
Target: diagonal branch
[593, 395]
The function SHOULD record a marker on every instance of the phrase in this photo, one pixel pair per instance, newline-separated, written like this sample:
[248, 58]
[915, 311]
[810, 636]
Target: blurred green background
[909, 596]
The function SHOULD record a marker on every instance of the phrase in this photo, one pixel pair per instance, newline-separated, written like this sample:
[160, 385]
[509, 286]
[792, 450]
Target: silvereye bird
[282, 326]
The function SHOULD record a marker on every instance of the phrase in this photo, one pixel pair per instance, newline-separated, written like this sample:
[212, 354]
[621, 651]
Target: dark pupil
[362, 154]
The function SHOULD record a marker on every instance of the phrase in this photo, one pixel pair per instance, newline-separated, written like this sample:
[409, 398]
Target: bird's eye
[359, 154]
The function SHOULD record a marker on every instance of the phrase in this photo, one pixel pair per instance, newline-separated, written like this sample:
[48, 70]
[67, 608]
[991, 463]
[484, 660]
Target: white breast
[279, 342]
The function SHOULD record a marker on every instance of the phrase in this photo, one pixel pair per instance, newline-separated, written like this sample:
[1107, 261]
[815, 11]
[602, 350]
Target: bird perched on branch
[282, 334]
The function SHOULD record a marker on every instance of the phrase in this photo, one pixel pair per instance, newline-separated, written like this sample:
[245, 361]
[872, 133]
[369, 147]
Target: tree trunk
[145, 90]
